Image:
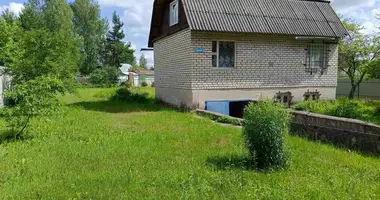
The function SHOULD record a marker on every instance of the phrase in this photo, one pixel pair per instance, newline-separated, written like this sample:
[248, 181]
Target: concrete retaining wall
[349, 133]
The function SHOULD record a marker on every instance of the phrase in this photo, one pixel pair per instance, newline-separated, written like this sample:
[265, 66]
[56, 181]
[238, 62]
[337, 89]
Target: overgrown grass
[343, 107]
[100, 149]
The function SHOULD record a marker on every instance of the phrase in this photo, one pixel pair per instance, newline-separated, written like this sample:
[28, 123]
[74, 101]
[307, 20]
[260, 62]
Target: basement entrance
[233, 108]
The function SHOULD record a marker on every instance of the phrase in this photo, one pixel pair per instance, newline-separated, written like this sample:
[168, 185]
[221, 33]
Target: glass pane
[214, 44]
[226, 54]
[214, 60]
[316, 55]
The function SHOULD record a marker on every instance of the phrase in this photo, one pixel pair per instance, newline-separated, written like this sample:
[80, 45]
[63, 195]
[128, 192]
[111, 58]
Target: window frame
[217, 53]
[324, 48]
[173, 14]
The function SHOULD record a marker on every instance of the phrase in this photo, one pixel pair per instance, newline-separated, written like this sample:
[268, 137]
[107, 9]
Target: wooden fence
[368, 89]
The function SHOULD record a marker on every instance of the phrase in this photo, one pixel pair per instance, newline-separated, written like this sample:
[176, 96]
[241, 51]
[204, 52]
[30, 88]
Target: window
[312, 95]
[173, 13]
[223, 54]
[284, 98]
[316, 58]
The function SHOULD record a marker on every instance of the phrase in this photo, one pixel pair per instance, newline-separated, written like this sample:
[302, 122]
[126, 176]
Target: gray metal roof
[290, 17]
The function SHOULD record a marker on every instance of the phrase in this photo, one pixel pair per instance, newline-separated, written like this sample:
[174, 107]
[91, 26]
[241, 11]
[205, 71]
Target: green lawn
[97, 149]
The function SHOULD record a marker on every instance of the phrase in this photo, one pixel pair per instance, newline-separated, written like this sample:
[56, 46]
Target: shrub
[125, 94]
[152, 84]
[105, 76]
[99, 77]
[266, 124]
[144, 84]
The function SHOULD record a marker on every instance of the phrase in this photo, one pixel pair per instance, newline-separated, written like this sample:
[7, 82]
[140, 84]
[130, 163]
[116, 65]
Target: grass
[98, 149]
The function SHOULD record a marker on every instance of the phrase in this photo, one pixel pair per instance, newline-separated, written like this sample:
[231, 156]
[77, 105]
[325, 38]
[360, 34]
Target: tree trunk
[352, 91]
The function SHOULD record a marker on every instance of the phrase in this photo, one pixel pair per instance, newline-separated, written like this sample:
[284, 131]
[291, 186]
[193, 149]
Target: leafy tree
[143, 62]
[91, 28]
[33, 98]
[115, 51]
[9, 16]
[357, 55]
[31, 16]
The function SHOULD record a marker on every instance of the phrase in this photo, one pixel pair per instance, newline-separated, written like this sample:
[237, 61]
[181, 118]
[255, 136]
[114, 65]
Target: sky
[136, 15]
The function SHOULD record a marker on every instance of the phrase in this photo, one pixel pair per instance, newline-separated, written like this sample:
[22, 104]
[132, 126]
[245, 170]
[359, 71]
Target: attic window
[173, 13]
[317, 54]
[223, 54]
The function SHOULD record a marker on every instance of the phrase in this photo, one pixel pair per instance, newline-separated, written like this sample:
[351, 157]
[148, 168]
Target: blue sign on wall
[199, 50]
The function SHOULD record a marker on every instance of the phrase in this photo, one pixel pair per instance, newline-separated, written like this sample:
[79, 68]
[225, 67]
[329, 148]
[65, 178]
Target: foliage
[9, 16]
[116, 52]
[143, 62]
[91, 28]
[127, 94]
[265, 126]
[32, 17]
[144, 84]
[347, 108]
[99, 149]
[34, 98]
[152, 84]
[358, 55]
[106, 76]
[229, 120]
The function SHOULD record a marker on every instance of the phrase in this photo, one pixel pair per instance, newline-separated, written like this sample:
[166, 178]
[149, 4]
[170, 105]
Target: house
[140, 76]
[220, 54]
[124, 73]
[4, 84]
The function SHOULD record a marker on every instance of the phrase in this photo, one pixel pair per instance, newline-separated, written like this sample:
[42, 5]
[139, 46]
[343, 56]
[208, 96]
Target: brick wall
[172, 61]
[261, 62]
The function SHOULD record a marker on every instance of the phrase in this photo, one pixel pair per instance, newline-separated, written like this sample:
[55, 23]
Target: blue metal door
[222, 107]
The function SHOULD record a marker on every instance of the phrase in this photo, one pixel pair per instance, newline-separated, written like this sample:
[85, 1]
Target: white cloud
[13, 7]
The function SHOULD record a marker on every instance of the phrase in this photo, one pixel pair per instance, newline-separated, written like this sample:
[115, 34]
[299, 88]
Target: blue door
[222, 107]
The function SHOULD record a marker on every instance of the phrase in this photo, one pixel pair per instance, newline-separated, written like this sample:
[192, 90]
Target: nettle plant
[32, 99]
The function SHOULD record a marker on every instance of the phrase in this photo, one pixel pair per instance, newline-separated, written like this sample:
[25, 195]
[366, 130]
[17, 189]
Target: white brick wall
[172, 61]
[265, 64]
[261, 62]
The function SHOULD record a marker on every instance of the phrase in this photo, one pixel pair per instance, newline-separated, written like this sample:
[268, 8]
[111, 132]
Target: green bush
[125, 94]
[266, 124]
[152, 84]
[106, 76]
[347, 108]
[144, 84]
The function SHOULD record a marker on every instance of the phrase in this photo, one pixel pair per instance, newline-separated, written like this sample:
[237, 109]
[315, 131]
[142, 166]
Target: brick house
[219, 54]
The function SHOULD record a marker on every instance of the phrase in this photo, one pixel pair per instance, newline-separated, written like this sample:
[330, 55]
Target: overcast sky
[136, 15]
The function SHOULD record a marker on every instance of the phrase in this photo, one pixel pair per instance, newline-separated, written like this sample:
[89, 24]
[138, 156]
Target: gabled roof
[285, 17]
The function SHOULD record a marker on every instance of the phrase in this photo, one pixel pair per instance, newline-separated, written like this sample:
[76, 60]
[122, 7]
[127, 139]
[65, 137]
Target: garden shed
[218, 52]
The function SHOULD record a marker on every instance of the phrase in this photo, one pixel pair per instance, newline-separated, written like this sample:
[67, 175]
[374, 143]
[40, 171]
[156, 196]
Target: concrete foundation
[197, 98]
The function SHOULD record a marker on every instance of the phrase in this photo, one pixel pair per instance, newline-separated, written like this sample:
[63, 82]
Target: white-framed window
[223, 54]
[317, 57]
[173, 20]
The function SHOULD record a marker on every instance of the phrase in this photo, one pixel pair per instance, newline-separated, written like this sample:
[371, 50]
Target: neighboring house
[4, 84]
[213, 53]
[124, 70]
[140, 76]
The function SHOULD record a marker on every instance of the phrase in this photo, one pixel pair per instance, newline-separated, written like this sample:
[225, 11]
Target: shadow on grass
[10, 136]
[233, 162]
[113, 106]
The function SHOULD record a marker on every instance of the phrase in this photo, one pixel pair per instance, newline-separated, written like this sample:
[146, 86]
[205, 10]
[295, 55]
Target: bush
[266, 124]
[106, 76]
[125, 94]
[144, 84]
[152, 84]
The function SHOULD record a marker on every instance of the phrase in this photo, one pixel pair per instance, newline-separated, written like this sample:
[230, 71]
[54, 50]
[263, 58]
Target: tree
[357, 54]
[143, 62]
[9, 16]
[116, 52]
[41, 57]
[31, 16]
[89, 25]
